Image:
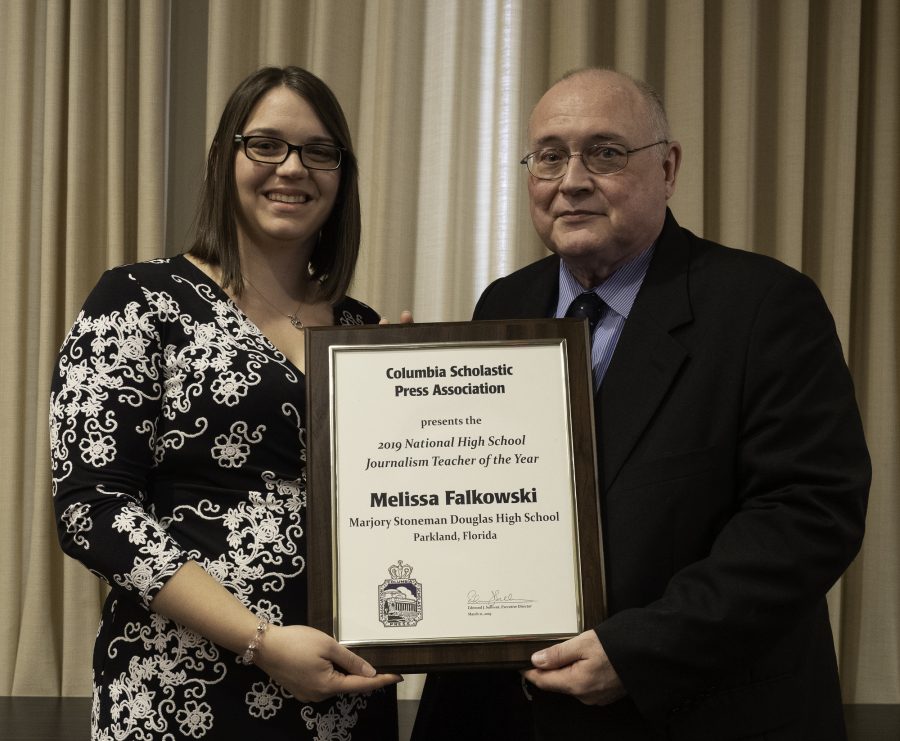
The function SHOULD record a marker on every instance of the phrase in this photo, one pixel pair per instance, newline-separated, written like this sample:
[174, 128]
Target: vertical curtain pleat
[283, 24]
[84, 193]
[185, 128]
[633, 45]
[731, 107]
[870, 625]
[343, 25]
[438, 181]
[682, 84]
[233, 51]
[788, 113]
[832, 150]
[389, 95]
[66, 597]
[86, 126]
[781, 131]
[147, 165]
[18, 30]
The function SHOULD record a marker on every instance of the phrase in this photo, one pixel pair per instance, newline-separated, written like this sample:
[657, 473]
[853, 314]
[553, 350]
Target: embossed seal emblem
[400, 598]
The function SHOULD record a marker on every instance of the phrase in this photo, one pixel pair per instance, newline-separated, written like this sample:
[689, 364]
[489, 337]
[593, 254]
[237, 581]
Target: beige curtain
[788, 110]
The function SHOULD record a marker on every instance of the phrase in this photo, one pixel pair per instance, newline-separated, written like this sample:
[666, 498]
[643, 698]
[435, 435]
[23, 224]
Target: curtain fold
[788, 112]
[388, 100]
[85, 103]
[870, 625]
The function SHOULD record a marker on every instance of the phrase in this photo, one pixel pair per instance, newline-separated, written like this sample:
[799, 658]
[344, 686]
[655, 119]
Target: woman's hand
[312, 666]
[308, 663]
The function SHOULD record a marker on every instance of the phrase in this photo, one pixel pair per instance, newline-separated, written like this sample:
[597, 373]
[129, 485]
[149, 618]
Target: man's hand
[406, 317]
[577, 667]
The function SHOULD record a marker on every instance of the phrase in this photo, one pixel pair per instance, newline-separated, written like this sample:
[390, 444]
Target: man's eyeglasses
[274, 151]
[601, 159]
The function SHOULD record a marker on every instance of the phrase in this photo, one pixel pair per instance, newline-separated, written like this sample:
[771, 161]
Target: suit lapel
[647, 358]
[538, 297]
[529, 293]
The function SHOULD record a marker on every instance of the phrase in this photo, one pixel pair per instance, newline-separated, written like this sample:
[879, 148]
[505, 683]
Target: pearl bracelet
[261, 627]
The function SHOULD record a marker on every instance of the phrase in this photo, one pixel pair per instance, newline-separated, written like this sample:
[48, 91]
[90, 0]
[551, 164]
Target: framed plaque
[453, 516]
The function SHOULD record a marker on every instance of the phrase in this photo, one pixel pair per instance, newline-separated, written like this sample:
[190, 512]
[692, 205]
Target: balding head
[656, 111]
[641, 96]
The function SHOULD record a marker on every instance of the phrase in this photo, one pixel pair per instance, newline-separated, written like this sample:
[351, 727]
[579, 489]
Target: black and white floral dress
[177, 433]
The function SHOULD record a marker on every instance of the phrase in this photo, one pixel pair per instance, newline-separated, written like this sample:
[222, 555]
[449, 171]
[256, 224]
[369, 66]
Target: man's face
[597, 222]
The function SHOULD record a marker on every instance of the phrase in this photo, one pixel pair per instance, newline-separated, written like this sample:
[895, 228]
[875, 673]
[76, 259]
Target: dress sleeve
[350, 312]
[105, 404]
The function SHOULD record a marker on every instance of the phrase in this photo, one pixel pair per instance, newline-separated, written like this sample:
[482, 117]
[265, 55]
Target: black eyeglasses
[274, 151]
[601, 159]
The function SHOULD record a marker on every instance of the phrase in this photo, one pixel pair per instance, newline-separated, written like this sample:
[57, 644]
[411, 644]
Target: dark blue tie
[587, 306]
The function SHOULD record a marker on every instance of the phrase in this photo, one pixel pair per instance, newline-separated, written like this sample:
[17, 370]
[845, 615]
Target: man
[734, 473]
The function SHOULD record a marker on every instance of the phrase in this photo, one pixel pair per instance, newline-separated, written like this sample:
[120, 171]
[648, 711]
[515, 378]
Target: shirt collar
[618, 291]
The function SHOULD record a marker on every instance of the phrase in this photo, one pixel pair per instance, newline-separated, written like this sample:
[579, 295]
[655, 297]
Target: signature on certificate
[495, 597]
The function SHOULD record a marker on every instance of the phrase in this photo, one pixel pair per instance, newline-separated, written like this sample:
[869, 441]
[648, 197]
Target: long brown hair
[334, 257]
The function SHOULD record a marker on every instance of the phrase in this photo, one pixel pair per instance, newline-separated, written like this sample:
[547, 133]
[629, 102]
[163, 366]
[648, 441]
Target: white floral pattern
[176, 434]
[195, 718]
[264, 699]
[231, 450]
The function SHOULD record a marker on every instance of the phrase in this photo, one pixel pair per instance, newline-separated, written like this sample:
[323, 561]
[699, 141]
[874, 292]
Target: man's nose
[577, 177]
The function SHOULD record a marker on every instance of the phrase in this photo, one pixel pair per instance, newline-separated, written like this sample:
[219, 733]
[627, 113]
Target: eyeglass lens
[602, 159]
[275, 151]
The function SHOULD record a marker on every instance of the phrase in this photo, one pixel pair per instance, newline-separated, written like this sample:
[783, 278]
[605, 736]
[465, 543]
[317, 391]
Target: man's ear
[671, 165]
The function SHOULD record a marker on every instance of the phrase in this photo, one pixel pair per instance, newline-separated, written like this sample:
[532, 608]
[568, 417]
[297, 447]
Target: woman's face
[283, 206]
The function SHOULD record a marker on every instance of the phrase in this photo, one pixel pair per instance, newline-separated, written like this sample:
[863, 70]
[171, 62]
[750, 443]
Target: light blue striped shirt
[618, 292]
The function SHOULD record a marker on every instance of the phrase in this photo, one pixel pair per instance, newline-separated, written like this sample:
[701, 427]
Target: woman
[178, 443]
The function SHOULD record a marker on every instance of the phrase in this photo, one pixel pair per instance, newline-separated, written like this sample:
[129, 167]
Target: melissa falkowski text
[453, 497]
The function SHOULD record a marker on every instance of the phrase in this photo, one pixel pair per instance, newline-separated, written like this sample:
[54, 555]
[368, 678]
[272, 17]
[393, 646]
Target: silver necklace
[296, 321]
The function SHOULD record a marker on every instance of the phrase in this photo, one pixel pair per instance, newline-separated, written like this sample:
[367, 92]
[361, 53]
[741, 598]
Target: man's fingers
[406, 317]
[577, 667]
[555, 656]
[550, 681]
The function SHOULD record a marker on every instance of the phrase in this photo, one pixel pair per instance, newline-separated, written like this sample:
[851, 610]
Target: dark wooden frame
[456, 654]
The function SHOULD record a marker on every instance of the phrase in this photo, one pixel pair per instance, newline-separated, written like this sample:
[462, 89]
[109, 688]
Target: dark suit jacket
[734, 484]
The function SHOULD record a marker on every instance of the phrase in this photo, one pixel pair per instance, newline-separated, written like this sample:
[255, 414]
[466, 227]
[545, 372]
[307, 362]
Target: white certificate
[454, 516]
